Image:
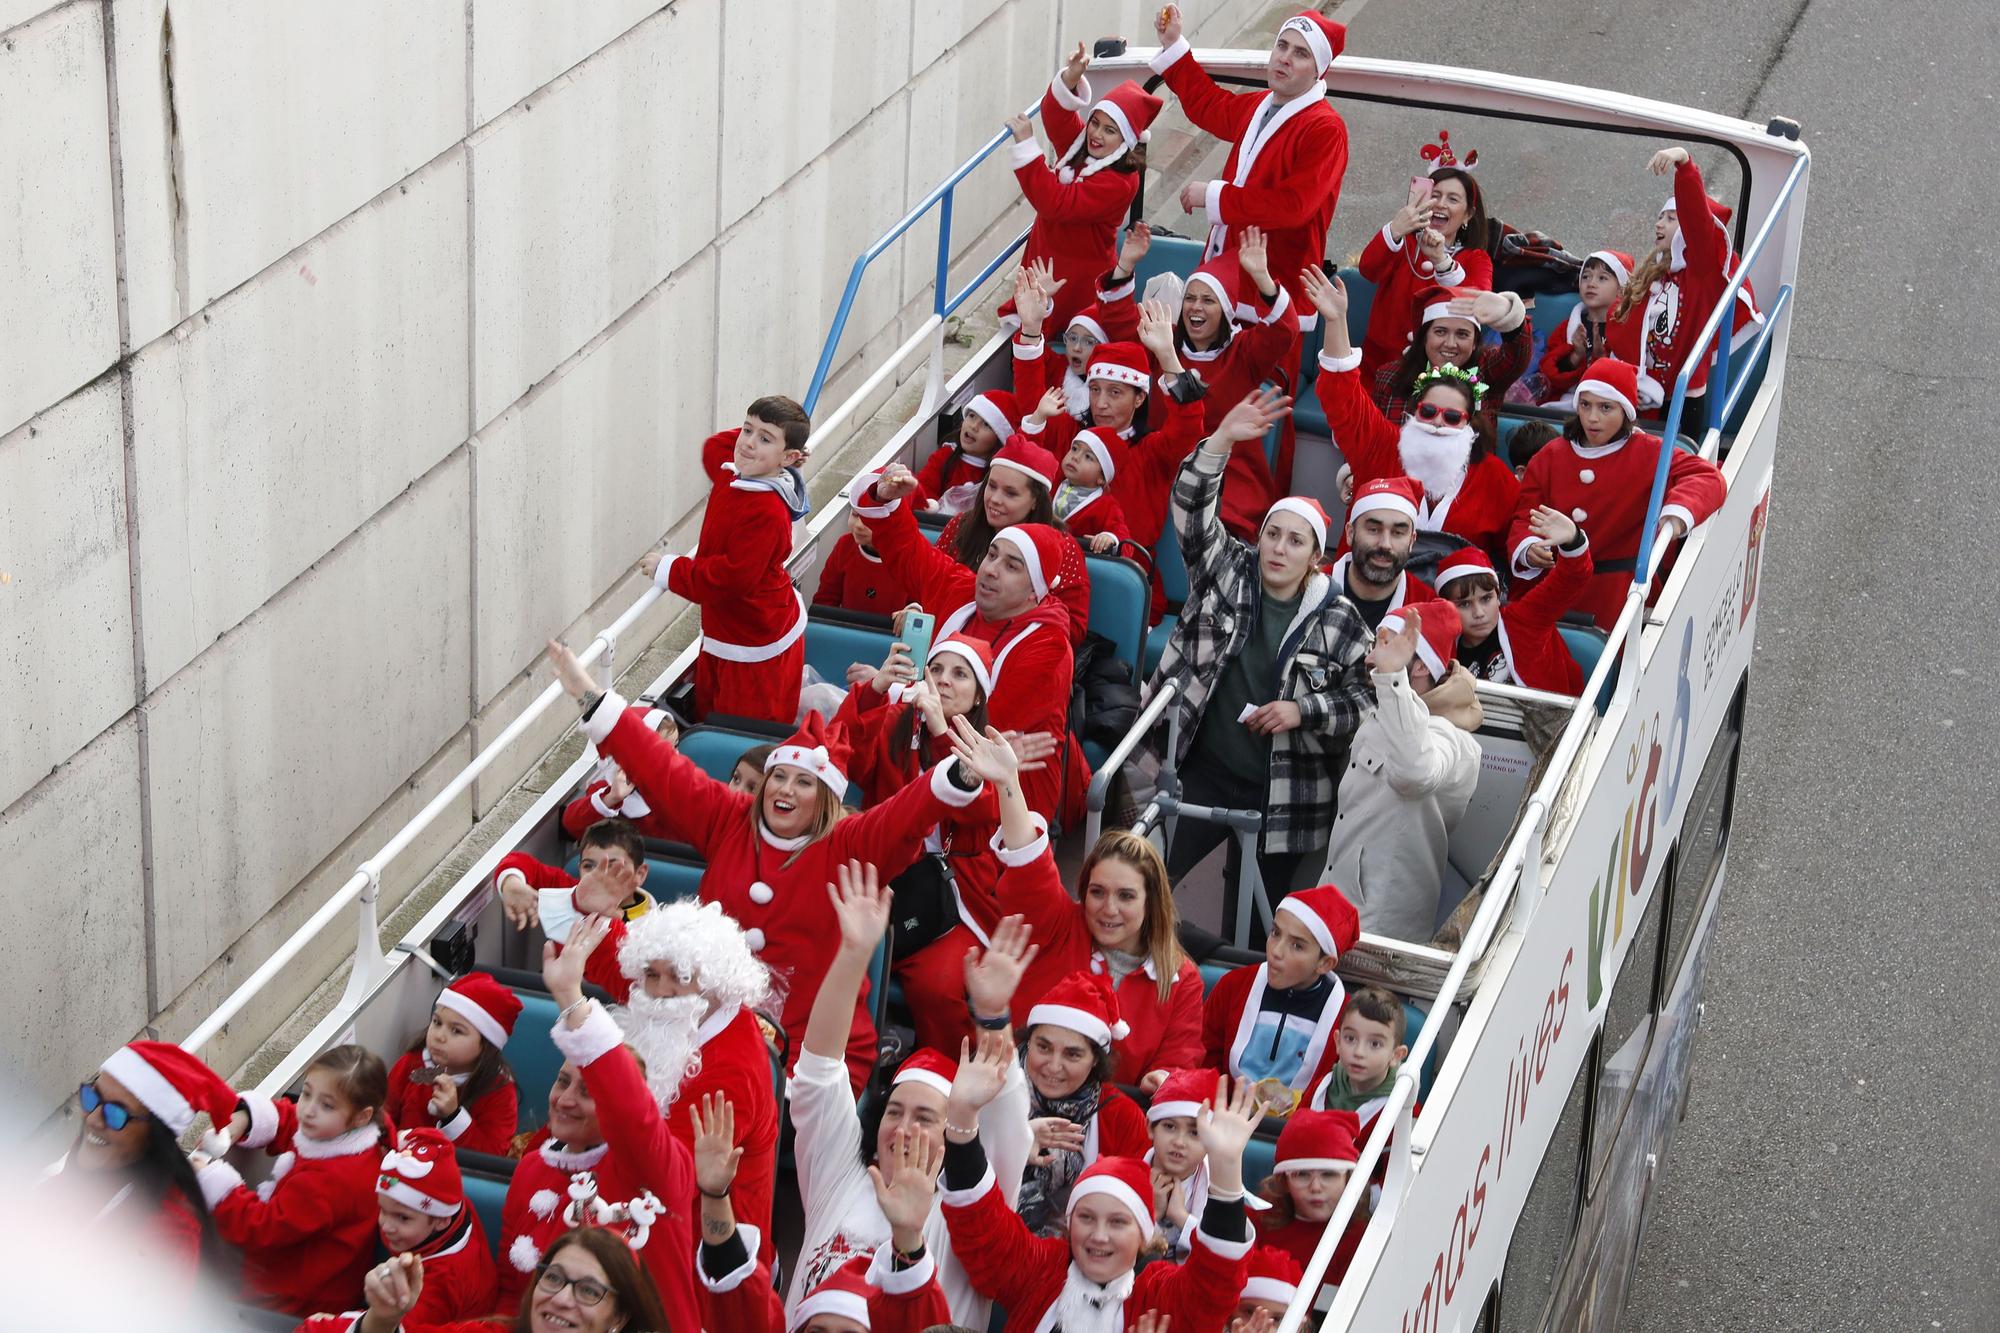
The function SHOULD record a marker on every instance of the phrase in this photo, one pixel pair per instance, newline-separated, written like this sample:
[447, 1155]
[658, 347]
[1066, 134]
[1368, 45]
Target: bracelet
[722, 1197]
[999, 1024]
[901, 1259]
[970, 1134]
[588, 704]
[572, 1008]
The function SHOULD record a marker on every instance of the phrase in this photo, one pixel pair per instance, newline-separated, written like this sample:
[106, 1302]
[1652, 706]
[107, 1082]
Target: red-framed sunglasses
[1451, 416]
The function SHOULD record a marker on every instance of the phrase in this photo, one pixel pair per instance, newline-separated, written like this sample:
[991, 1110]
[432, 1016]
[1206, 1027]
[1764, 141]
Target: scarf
[1340, 1093]
[1044, 1200]
[1070, 497]
[1085, 1307]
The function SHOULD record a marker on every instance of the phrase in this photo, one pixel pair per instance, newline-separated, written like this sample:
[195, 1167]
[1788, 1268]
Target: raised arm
[1198, 489]
[988, 1237]
[1205, 1286]
[936, 577]
[1703, 238]
[1210, 109]
[1067, 100]
[1545, 602]
[1418, 761]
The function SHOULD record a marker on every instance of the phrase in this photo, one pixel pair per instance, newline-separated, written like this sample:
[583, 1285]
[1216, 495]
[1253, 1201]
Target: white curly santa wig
[705, 947]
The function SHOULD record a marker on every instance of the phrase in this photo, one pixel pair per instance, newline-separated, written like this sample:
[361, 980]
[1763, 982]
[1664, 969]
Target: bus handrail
[943, 301]
[1718, 388]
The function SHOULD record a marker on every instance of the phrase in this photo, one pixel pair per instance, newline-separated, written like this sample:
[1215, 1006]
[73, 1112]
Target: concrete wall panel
[65, 586]
[57, 251]
[579, 479]
[269, 428]
[519, 45]
[591, 196]
[249, 128]
[72, 857]
[284, 736]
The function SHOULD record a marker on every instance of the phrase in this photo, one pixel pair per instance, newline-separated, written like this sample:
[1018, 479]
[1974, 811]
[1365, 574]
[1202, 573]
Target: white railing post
[369, 964]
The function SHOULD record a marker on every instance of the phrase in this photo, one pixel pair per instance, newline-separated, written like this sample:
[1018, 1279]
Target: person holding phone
[1438, 238]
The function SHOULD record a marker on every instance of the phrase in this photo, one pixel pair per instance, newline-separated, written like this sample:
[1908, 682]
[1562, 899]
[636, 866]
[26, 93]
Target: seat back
[1120, 596]
[1171, 567]
[831, 648]
[1360, 300]
[715, 750]
[1551, 313]
[1169, 254]
[486, 1192]
[533, 1056]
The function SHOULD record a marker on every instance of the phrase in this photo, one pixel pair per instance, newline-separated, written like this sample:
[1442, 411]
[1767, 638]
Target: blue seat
[1585, 644]
[1211, 973]
[1120, 595]
[1260, 1155]
[832, 648]
[668, 878]
[1169, 254]
[533, 1056]
[715, 750]
[1174, 583]
[1551, 313]
[486, 1192]
[1307, 417]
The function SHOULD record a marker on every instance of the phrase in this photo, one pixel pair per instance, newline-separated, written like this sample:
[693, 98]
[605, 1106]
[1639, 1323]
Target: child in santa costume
[421, 1198]
[1315, 1156]
[1083, 500]
[1011, 606]
[1275, 1021]
[696, 990]
[456, 1080]
[1413, 766]
[1288, 146]
[1157, 987]
[951, 475]
[1177, 1158]
[1019, 487]
[1086, 1282]
[1372, 1049]
[856, 578]
[1438, 239]
[306, 1233]
[1592, 329]
[1518, 642]
[1601, 474]
[610, 879]
[753, 621]
[845, 1212]
[608, 793]
[1080, 202]
[1273, 1283]
[1445, 442]
[770, 855]
[1063, 363]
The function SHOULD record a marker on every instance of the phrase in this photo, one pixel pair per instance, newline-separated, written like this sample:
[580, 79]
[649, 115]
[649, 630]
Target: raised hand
[1022, 127]
[1328, 295]
[1138, 240]
[1552, 525]
[1394, 648]
[617, 787]
[522, 904]
[1412, 216]
[861, 904]
[393, 1288]
[895, 482]
[563, 964]
[1251, 418]
[993, 974]
[1167, 27]
[1257, 1321]
[1053, 1134]
[905, 1181]
[1043, 271]
[1156, 328]
[570, 673]
[897, 669]
[1664, 161]
[1254, 255]
[1230, 1117]
[1074, 67]
[716, 1154]
[987, 756]
[1030, 748]
[981, 1074]
[1048, 407]
[1031, 303]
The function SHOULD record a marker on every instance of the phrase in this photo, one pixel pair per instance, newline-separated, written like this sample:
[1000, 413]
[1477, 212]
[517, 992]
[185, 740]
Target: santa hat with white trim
[1307, 508]
[998, 409]
[820, 750]
[930, 1068]
[1132, 109]
[977, 655]
[1327, 916]
[421, 1173]
[1437, 633]
[1326, 38]
[1041, 549]
[1030, 460]
[1608, 377]
[1274, 1275]
[1317, 1141]
[490, 1007]
[844, 1294]
[1120, 363]
[171, 1083]
[1617, 261]
[1105, 447]
[1119, 323]
[1464, 564]
[1085, 1003]
[1434, 302]
[1397, 495]
[1184, 1092]
[1124, 1180]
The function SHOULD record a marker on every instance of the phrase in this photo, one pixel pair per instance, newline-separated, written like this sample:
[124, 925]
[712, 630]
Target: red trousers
[933, 981]
[768, 689]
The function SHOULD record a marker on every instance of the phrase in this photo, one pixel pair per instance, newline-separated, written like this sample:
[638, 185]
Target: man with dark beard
[1381, 533]
[696, 987]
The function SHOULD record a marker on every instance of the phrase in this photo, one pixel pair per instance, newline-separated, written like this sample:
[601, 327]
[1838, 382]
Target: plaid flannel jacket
[1320, 670]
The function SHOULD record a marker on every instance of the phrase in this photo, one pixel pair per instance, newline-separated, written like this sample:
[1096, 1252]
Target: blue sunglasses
[117, 1115]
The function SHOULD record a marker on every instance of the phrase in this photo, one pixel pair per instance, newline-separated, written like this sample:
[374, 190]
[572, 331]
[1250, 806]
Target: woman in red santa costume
[1600, 473]
[125, 1169]
[770, 855]
[1437, 239]
[456, 1079]
[1087, 1281]
[1080, 202]
[753, 621]
[1445, 442]
[1019, 487]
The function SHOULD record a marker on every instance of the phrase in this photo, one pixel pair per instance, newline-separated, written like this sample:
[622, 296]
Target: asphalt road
[1837, 1168]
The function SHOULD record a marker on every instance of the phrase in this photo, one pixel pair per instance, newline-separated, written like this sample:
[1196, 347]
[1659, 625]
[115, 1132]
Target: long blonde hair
[1160, 935]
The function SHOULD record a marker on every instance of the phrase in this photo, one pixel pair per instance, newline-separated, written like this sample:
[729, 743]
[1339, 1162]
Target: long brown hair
[1133, 159]
[631, 1285]
[1474, 233]
[1160, 936]
[974, 534]
[829, 813]
[1651, 269]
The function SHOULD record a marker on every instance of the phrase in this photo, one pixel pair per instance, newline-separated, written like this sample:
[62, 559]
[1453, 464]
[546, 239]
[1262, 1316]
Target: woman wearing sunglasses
[126, 1168]
[588, 1282]
[1444, 441]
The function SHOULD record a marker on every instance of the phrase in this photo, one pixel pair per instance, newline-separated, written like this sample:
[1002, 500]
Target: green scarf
[1341, 1096]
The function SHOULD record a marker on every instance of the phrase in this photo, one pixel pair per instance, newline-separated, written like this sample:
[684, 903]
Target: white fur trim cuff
[457, 1125]
[218, 1180]
[1279, 304]
[1390, 239]
[1026, 348]
[663, 570]
[1522, 569]
[1071, 101]
[597, 728]
[954, 796]
[1023, 153]
[1226, 1249]
[1212, 200]
[263, 1120]
[1016, 857]
[1341, 364]
[596, 1036]
[893, 1281]
[1681, 512]
[1167, 55]
[971, 1194]
[734, 1278]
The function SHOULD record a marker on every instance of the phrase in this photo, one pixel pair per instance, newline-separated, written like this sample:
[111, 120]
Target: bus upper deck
[1571, 868]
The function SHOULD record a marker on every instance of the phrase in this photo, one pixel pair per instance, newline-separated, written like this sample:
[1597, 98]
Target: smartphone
[918, 627]
[1421, 188]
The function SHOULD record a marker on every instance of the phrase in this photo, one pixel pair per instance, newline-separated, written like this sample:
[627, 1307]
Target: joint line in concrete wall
[471, 398]
[176, 163]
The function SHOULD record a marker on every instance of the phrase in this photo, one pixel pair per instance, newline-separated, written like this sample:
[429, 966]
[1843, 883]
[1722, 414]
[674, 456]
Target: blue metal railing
[944, 300]
[1718, 380]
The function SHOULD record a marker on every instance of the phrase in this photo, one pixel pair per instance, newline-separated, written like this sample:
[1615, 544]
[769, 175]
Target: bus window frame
[1680, 926]
[1658, 905]
[1586, 1078]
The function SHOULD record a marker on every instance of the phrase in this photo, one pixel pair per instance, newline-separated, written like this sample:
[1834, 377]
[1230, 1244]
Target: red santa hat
[1030, 460]
[1608, 377]
[1326, 38]
[997, 408]
[1464, 563]
[1223, 276]
[1397, 495]
[931, 1068]
[1041, 548]
[1434, 302]
[490, 1007]
[1120, 323]
[820, 750]
[171, 1083]
[1274, 1275]
[1125, 1180]
[1718, 210]
[1084, 1003]
[1132, 110]
[1318, 1141]
[1437, 637]
[1184, 1092]
[844, 1295]
[1120, 363]
[1106, 447]
[421, 1173]
[1327, 916]
[977, 655]
[1617, 261]
[1307, 508]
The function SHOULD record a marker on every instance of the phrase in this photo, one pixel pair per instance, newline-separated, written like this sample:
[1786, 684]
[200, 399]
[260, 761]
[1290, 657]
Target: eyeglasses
[117, 1115]
[1451, 416]
[589, 1291]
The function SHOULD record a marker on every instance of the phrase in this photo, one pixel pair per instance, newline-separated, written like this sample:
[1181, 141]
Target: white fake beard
[1085, 1307]
[1437, 456]
[666, 1034]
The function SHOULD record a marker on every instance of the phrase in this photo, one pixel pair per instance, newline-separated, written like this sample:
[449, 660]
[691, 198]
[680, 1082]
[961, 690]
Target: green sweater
[1249, 680]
